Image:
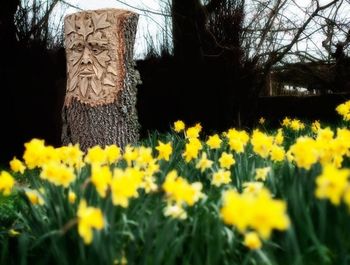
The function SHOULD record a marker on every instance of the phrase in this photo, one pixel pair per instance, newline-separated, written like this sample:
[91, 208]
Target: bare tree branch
[275, 58]
[70, 5]
[143, 10]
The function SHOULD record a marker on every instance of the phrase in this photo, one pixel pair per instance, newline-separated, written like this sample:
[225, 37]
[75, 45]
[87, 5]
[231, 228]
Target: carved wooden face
[91, 57]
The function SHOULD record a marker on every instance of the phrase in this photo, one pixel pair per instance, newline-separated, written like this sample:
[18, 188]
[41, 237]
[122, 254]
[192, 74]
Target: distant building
[312, 78]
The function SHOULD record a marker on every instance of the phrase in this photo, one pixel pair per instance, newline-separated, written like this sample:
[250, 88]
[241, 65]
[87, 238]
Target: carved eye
[78, 47]
[95, 48]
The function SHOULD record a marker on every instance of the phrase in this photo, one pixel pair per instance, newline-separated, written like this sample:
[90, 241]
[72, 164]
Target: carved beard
[89, 82]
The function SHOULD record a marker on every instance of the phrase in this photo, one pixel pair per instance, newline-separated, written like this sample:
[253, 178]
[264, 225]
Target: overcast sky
[151, 27]
[149, 24]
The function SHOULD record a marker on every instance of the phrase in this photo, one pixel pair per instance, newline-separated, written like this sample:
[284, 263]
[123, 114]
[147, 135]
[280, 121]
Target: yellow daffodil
[34, 197]
[89, 218]
[261, 120]
[71, 197]
[252, 241]
[332, 183]
[214, 141]
[204, 163]
[344, 110]
[101, 177]
[178, 190]
[176, 211]
[193, 132]
[96, 155]
[58, 174]
[237, 140]
[279, 138]
[113, 153]
[316, 126]
[226, 160]
[125, 185]
[71, 155]
[221, 177]
[262, 143]
[179, 126]
[257, 211]
[261, 173]
[164, 150]
[253, 187]
[192, 149]
[6, 183]
[17, 165]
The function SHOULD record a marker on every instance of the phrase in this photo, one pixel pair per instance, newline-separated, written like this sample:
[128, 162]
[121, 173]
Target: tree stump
[100, 101]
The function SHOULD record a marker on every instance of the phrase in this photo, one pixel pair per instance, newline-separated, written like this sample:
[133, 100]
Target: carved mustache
[87, 70]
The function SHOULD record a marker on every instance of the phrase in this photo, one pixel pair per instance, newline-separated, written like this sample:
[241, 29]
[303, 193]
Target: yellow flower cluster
[326, 148]
[119, 176]
[293, 124]
[333, 184]
[58, 173]
[71, 155]
[344, 110]
[262, 143]
[304, 152]
[265, 145]
[192, 148]
[256, 211]
[37, 154]
[237, 140]
[179, 194]
[193, 145]
[58, 164]
[96, 155]
[221, 177]
[125, 185]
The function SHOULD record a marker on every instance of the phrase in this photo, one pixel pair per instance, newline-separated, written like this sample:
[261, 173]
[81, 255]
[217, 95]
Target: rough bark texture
[96, 111]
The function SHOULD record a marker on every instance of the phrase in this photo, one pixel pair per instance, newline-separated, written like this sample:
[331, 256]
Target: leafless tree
[272, 30]
[34, 21]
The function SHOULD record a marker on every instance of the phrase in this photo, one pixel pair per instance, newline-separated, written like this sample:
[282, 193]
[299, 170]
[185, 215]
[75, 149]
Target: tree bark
[100, 102]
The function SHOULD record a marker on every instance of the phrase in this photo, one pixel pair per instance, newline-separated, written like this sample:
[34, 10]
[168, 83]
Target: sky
[149, 27]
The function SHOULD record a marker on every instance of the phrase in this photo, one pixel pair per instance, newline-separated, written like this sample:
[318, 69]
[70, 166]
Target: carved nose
[86, 57]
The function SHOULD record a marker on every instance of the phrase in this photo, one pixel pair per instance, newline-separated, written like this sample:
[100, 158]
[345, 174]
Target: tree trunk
[100, 102]
[188, 25]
